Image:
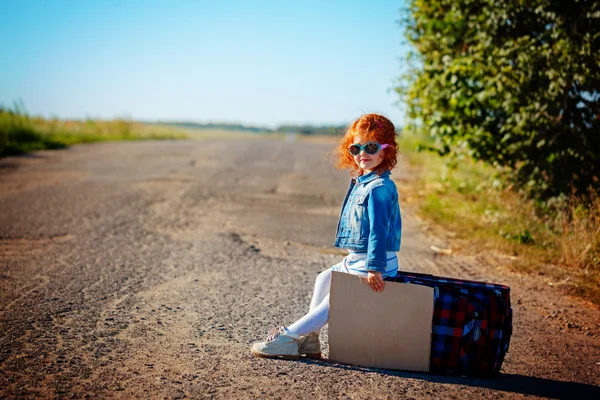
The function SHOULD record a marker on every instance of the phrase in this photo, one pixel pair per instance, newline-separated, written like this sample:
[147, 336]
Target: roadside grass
[20, 133]
[470, 208]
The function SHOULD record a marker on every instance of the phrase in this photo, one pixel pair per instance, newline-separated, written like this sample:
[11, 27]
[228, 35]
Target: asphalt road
[146, 269]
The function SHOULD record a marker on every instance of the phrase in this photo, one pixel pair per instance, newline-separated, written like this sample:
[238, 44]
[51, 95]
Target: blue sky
[254, 62]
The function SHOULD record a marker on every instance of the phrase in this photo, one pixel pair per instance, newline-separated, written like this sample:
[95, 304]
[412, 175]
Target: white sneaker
[309, 345]
[279, 343]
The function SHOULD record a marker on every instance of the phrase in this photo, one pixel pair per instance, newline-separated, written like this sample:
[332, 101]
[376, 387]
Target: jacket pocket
[357, 215]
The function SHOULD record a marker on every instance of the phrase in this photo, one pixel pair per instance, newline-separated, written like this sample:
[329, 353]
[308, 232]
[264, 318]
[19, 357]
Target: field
[20, 133]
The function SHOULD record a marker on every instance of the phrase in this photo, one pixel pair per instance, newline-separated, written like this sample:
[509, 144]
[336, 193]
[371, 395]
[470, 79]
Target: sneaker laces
[275, 333]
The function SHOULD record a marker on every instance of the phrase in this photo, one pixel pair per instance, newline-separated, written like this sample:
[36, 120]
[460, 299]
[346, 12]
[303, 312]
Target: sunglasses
[369, 148]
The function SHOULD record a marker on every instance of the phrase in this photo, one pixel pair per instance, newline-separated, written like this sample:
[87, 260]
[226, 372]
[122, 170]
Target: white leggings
[319, 308]
[318, 315]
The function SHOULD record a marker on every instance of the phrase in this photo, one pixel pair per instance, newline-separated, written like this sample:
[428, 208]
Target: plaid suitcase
[472, 323]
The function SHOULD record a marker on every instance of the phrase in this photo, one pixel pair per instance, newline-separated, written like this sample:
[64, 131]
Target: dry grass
[20, 133]
[74, 131]
[469, 206]
[580, 238]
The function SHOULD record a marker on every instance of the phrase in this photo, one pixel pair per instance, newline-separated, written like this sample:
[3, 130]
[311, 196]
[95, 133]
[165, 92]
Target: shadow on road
[12, 162]
[528, 385]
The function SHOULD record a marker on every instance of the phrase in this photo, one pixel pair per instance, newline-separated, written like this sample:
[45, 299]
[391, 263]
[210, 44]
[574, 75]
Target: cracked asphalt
[146, 270]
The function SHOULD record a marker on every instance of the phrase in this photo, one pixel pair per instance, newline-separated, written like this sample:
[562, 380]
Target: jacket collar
[370, 177]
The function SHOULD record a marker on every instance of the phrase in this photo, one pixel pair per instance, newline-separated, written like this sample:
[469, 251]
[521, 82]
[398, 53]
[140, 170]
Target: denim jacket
[370, 220]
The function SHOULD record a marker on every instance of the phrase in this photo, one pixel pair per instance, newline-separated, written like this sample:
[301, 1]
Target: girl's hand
[375, 281]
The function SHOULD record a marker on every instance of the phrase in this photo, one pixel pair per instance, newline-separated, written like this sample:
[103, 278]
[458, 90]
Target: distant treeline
[228, 127]
[300, 129]
[312, 130]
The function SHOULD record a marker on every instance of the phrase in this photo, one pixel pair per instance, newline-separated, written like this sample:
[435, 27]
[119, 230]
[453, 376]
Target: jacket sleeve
[379, 209]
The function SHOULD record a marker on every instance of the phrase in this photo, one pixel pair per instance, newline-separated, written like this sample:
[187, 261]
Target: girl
[369, 227]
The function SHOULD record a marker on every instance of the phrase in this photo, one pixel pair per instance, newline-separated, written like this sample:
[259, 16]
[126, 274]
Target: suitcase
[472, 324]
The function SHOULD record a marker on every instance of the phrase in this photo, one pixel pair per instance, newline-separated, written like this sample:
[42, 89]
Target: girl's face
[367, 162]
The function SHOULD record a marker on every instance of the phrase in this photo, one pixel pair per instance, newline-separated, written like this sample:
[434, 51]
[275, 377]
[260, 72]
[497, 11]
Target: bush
[18, 134]
[512, 83]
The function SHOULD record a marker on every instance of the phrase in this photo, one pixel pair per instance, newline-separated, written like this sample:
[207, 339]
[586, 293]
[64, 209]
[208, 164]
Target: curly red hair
[373, 127]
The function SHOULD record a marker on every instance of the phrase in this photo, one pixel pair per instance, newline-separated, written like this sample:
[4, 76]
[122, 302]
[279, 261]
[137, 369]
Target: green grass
[478, 214]
[20, 133]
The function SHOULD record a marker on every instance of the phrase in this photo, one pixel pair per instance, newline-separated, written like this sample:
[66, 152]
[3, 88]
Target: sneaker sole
[285, 357]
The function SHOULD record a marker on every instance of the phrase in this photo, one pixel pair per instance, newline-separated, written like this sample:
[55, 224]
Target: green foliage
[18, 134]
[513, 83]
[524, 237]
[476, 215]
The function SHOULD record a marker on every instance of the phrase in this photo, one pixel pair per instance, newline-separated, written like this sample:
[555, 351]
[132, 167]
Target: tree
[514, 83]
